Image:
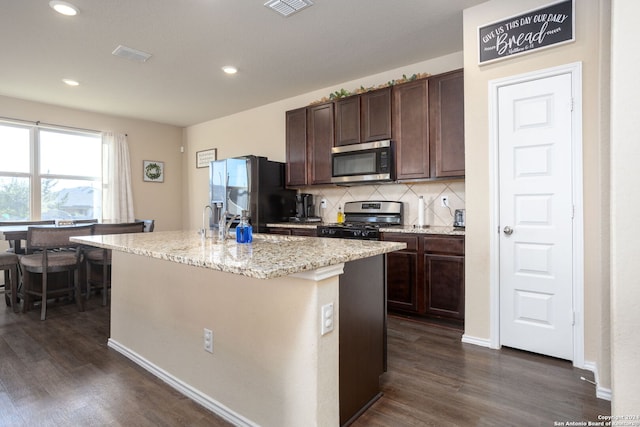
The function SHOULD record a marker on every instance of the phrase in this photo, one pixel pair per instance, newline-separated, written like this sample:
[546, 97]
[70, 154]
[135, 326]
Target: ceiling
[182, 84]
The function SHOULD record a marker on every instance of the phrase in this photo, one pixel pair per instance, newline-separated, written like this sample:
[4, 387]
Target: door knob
[508, 230]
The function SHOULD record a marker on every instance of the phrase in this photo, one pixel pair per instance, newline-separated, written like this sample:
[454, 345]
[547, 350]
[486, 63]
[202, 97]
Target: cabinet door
[446, 118]
[320, 140]
[444, 282]
[309, 232]
[278, 230]
[376, 115]
[348, 121]
[296, 145]
[411, 130]
[402, 281]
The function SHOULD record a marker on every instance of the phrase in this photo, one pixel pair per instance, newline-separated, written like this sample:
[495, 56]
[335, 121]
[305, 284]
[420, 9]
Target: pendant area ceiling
[182, 83]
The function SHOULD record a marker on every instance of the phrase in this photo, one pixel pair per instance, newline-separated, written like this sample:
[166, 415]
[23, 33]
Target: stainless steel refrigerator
[253, 184]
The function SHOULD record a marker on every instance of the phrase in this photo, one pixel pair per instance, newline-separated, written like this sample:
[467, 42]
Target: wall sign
[536, 29]
[204, 157]
[152, 171]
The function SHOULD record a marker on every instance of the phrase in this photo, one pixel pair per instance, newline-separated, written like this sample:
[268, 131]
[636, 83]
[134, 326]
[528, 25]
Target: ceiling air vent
[288, 7]
[131, 54]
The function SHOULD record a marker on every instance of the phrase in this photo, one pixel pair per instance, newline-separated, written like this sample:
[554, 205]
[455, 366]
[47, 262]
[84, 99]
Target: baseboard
[482, 342]
[601, 392]
[184, 388]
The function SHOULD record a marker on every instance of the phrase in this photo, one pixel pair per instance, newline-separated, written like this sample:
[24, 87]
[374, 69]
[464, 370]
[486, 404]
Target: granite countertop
[431, 229]
[268, 257]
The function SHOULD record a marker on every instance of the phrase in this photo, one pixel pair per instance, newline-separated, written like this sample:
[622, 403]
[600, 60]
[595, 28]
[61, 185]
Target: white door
[536, 210]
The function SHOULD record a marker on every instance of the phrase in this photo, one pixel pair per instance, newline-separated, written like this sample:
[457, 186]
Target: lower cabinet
[427, 278]
[290, 231]
[403, 280]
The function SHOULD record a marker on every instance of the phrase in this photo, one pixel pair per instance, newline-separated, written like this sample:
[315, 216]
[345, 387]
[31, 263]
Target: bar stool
[9, 263]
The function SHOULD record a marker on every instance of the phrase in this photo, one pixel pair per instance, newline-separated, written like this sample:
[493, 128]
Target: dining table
[16, 234]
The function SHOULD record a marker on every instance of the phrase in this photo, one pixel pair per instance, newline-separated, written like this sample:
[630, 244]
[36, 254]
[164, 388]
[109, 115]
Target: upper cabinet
[411, 130]
[320, 136]
[446, 123]
[309, 138]
[348, 121]
[424, 118]
[376, 115]
[296, 170]
[428, 127]
[363, 118]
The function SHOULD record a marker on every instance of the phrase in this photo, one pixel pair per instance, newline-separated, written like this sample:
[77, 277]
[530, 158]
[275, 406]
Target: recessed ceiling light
[229, 69]
[63, 7]
[70, 82]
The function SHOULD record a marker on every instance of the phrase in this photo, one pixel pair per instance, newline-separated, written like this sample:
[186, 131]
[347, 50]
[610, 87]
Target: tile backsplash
[435, 214]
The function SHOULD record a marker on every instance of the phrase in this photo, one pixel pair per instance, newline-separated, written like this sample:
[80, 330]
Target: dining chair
[148, 224]
[102, 257]
[9, 263]
[49, 250]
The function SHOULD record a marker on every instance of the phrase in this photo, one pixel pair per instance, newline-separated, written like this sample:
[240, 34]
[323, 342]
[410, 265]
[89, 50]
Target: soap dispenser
[244, 230]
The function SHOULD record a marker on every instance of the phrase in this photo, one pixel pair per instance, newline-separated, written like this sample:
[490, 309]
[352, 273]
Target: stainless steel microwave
[362, 163]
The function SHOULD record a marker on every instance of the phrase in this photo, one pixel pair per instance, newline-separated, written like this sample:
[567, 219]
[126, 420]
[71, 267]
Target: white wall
[261, 131]
[625, 204]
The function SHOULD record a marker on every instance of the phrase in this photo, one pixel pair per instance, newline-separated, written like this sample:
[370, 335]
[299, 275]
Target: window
[49, 173]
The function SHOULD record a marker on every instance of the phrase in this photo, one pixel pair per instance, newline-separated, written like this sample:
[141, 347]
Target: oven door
[368, 162]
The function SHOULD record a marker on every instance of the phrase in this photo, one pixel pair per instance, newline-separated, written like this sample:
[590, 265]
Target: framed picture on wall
[205, 156]
[152, 171]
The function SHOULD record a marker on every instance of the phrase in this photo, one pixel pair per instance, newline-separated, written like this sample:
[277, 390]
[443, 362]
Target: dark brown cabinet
[424, 118]
[309, 138]
[444, 276]
[296, 146]
[291, 231]
[411, 130]
[348, 121]
[376, 115]
[446, 124]
[320, 139]
[427, 278]
[403, 281]
[364, 118]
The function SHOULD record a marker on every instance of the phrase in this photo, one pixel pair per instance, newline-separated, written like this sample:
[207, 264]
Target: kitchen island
[273, 363]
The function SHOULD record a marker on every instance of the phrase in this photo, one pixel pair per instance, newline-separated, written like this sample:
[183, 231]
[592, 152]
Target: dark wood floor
[60, 373]
[434, 379]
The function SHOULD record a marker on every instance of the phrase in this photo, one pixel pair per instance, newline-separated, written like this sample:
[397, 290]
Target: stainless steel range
[364, 219]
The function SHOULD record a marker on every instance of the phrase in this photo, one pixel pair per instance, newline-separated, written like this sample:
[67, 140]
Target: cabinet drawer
[410, 240]
[444, 245]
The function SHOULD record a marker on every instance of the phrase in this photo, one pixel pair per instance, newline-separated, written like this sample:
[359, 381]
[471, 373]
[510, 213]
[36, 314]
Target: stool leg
[14, 288]
[43, 310]
[88, 279]
[104, 278]
[76, 285]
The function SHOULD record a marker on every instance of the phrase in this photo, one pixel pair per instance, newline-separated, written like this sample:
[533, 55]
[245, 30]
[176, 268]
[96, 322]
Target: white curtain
[117, 196]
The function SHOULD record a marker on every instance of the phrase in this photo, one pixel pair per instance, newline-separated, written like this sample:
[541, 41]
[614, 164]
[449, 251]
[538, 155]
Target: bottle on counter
[244, 230]
[340, 219]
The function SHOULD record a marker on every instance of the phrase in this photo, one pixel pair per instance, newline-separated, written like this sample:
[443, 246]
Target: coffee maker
[305, 209]
[459, 218]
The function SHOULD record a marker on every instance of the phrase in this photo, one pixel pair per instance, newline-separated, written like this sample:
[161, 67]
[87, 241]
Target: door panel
[536, 281]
